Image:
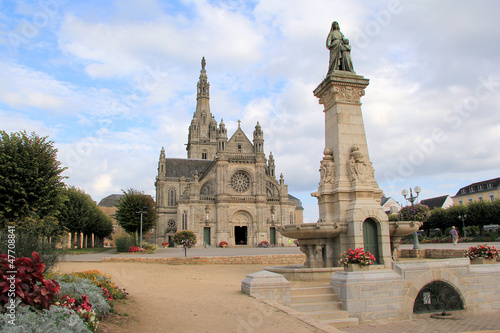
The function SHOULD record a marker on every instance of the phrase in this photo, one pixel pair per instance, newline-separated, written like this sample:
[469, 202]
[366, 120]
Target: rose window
[171, 223]
[240, 181]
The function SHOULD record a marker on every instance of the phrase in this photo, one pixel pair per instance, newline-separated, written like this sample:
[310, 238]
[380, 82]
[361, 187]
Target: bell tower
[202, 139]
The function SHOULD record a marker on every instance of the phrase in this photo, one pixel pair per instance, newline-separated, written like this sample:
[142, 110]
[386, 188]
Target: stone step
[311, 291]
[342, 323]
[318, 306]
[314, 298]
[327, 315]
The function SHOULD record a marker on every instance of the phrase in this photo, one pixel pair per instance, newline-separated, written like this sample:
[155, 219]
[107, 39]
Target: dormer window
[239, 147]
[471, 189]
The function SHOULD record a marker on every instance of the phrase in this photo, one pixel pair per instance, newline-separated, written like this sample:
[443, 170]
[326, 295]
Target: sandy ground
[188, 298]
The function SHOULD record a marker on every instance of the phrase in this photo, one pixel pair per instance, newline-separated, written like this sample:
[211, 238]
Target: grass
[85, 251]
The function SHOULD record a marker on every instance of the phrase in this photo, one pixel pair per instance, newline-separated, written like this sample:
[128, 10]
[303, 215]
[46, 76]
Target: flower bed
[136, 249]
[55, 302]
[482, 251]
[357, 256]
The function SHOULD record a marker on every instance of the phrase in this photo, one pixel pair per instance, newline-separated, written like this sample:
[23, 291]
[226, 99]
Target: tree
[30, 194]
[438, 219]
[132, 202]
[30, 177]
[186, 238]
[79, 213]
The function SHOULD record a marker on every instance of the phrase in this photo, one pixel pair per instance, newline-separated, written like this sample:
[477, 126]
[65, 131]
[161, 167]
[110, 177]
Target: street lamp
[412, 198]
[462, 218]
[143, 211]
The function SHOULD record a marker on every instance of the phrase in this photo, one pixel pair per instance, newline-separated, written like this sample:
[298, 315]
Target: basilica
[226, 190]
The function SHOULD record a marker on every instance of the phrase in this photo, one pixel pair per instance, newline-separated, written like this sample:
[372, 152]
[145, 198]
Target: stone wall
[274, 259]
[381, 295]
[431, 253]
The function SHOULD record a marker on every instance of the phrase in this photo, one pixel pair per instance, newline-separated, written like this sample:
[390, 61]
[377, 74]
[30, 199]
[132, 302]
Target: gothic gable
[239, 143]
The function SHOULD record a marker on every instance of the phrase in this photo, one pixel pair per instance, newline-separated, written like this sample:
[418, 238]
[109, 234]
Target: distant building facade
[487, 190]
[390, 205]
[443, 201]
[226, 189]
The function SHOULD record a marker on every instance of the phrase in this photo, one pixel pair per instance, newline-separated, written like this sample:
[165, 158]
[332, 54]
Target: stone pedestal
[348, 193]
[269, 285]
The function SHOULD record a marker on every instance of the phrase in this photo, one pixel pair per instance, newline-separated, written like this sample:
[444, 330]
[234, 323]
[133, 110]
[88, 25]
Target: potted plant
[165, 244]
[264, 243]
[482, 254]
[223, 244]
[356, 260]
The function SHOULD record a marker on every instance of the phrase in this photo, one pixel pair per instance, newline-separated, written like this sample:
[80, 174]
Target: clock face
[204, 132]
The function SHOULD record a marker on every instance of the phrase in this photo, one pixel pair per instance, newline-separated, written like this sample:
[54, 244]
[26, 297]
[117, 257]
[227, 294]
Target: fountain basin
[312, 230]
[403, 228]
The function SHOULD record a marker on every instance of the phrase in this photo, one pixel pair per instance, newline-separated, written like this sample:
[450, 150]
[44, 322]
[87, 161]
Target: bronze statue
[340, 50]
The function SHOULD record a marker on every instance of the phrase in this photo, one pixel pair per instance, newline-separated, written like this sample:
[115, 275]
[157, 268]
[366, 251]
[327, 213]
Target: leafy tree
[79, 213]
[30, 194]
[438, 219]
[186, 238]
[132, 202]
[30, 177]
[452, 214]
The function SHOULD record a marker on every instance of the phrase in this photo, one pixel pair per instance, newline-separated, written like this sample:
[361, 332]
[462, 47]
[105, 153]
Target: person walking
[454, 235]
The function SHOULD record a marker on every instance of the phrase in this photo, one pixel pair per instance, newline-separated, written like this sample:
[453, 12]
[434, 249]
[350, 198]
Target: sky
[112, 82]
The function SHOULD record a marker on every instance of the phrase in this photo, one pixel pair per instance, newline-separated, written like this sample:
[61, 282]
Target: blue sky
[111, 82]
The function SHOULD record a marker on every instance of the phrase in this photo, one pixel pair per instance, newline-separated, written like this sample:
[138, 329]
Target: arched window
[292, 218]
[184, 220]
[171, 197]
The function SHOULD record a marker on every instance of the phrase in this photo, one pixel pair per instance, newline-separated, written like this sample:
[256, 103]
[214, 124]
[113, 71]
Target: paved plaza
[462, 321]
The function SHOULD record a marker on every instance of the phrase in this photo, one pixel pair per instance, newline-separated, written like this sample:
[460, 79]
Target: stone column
[351, 195]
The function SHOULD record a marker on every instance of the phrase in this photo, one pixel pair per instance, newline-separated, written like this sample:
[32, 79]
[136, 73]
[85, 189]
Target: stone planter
[483, 261]
[356, 268]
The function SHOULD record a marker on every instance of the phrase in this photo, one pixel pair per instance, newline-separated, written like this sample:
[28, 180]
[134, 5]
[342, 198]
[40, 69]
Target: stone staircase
[321, 304]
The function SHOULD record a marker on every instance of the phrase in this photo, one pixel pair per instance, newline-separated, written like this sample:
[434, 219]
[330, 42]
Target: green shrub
[56, 319]
[124, 242]
[29, 242]
[150, 248]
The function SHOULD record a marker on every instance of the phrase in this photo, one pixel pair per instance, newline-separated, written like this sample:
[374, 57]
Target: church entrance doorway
[206, 236]
[170, 242]
[240, 235]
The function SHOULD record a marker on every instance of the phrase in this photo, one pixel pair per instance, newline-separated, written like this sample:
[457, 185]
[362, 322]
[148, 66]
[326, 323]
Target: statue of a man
[340, 50]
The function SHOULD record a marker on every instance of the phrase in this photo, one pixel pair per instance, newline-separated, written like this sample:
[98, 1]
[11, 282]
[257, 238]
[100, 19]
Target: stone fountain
[350, 215]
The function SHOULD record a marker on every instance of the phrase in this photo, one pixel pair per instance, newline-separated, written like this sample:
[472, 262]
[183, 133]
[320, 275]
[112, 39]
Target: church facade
[226, 189]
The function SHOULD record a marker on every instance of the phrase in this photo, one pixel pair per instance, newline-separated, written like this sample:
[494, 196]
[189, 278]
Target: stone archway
[437, 296]
[241, 224]
[420, 282]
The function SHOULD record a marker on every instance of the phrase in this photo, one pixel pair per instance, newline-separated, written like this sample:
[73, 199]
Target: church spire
[202, 140]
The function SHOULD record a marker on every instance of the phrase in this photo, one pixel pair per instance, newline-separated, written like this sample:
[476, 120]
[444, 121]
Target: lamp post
[143, 211]
[412, 198]
[462, 218]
